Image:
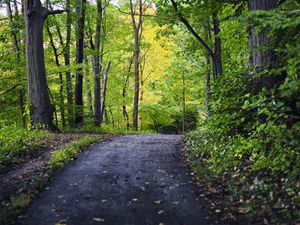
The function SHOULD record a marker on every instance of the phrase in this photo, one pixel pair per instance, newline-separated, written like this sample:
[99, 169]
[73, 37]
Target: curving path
[130, 180]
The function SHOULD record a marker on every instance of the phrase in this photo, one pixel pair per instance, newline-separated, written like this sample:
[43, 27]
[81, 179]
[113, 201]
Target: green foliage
[251, 141]
[154, 115]
[18, 143]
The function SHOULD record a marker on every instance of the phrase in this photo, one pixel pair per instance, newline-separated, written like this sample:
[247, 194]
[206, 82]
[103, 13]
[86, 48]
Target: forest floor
[132, 179]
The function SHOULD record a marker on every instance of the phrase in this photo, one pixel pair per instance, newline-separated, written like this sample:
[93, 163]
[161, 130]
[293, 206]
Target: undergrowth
[16, 144]
[248, 150]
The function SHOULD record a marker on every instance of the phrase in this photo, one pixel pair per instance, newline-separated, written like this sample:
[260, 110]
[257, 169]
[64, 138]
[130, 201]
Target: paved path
[130, 180]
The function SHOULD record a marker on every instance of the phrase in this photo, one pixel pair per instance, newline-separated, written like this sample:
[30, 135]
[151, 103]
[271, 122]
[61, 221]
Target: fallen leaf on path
[157, 202]
[213, 190]
[161, 212]
[143, 188]
[98, 220]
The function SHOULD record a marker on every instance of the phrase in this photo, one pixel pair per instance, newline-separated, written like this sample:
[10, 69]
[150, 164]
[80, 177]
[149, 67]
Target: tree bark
[105, 77]
[261, 59]
[183, 102]
[136, 28]
[217, 56]
[125, 84]
[69, 88]
[97, 66]
[41, 109]
[80, 11]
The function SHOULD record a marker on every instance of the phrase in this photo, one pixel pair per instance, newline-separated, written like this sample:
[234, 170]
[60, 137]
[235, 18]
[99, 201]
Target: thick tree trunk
[80, 10]
[260, 58]
[97, 66]
[15, 36]
[41, 109]
[105, 77]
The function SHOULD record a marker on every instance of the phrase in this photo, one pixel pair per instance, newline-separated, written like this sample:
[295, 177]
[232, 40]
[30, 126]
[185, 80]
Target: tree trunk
[261, 59]
[66, 53]
[41, 109]
[136, 28]
[207, 80]
[183, 102]
[61, 83]
[104, 90]
[136, 86]
[67, 63]
[15, 36]
[217, 56]
[88, 87]
[125, 84]
[80, 10]
[97, 67]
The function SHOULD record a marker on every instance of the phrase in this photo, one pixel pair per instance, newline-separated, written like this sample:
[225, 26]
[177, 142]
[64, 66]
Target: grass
[61, 157]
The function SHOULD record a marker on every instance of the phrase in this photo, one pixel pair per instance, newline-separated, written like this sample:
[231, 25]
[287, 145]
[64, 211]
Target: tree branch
[148, 15]
[10, 89]
[190, 28]
[48, 12]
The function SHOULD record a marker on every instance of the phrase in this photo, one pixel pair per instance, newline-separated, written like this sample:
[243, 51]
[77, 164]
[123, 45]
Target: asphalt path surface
[129, 180]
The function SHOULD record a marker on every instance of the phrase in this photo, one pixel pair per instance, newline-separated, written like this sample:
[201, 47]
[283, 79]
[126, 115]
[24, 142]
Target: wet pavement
[129, 180]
